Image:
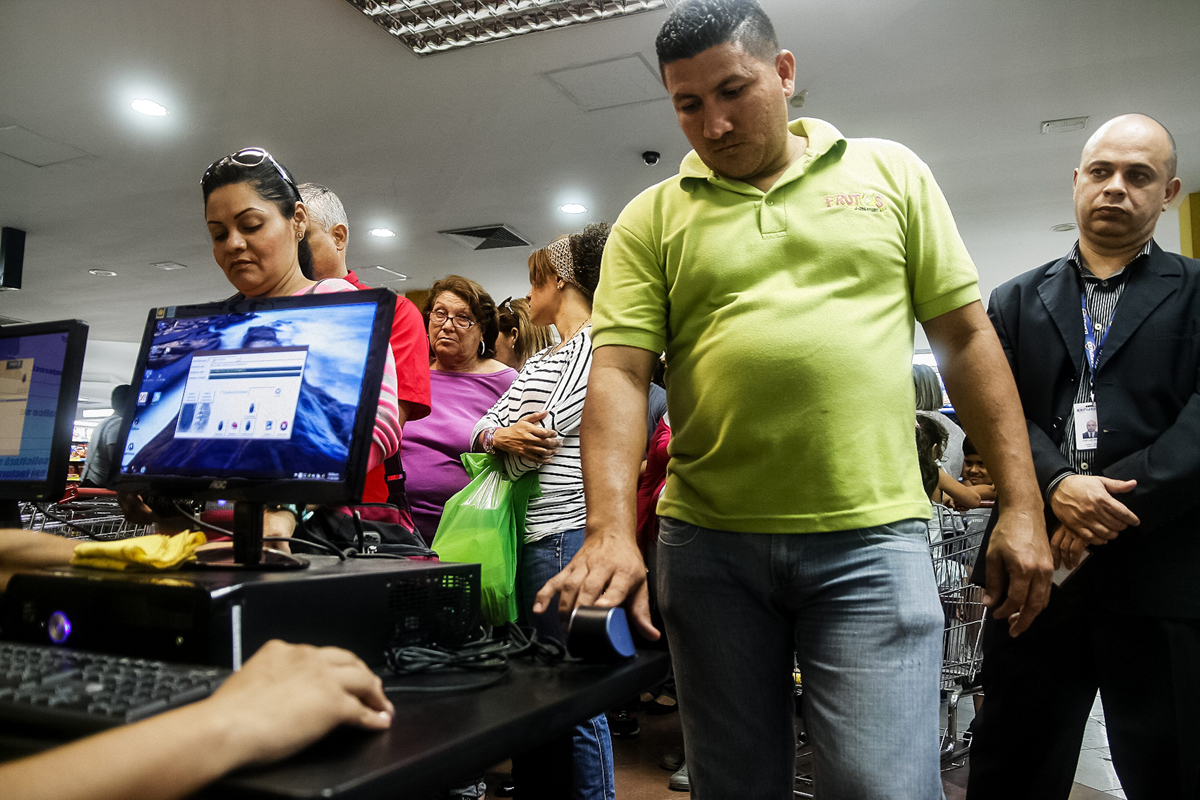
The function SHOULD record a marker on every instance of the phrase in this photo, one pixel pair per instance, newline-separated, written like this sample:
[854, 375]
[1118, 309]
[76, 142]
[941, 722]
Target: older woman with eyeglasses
[465, 380]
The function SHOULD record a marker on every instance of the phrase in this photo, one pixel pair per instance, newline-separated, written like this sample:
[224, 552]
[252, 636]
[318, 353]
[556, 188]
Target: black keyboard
[71, 691]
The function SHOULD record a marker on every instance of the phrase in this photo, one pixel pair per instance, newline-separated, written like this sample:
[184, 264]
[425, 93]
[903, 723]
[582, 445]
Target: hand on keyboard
[288, 696]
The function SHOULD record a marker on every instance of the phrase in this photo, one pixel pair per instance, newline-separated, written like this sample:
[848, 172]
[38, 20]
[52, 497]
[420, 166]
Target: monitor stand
[10, 514]
[246, 551]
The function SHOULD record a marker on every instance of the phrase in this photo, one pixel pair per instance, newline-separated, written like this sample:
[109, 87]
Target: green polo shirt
[788, 321]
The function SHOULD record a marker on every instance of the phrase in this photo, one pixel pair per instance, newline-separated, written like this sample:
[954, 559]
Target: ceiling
[483, 135]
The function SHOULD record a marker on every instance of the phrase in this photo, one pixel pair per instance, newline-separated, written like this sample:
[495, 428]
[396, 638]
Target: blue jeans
[591, 744]
[860, 611]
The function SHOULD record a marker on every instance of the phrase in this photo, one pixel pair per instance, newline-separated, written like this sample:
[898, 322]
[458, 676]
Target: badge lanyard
[1092, 348]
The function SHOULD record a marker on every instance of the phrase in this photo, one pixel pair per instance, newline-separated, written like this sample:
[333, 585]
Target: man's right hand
[287, 696]
[1085, 504]
[608, 571]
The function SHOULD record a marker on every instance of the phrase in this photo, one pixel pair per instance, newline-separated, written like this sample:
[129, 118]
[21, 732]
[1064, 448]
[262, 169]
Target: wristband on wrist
[1054, 483]
[489, 441]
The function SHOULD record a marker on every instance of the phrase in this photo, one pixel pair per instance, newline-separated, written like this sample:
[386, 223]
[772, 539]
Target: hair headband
[560, 259]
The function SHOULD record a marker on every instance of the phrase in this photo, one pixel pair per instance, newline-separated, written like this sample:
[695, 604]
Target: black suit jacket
[1148, 401]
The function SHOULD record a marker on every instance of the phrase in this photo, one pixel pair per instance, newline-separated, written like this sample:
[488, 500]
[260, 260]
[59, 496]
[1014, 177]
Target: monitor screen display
[281, 394]
[40, 366]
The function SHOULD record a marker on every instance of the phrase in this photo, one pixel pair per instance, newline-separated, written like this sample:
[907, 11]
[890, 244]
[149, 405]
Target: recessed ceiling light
[102, 273]
[399, 276]
[97, 413]
[382, 233]
[169, 265]
[573, 208]
[148, 107]
[1063, 227]
[1064, 125]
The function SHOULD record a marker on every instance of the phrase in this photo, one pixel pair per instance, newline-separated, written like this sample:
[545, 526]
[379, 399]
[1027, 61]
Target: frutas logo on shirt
[859, 201]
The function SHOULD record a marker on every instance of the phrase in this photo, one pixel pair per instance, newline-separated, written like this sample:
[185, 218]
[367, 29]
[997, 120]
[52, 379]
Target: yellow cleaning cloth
[142, 552]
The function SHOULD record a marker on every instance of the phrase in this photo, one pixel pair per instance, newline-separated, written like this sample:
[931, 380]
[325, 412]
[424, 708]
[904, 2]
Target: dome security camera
[650, 158]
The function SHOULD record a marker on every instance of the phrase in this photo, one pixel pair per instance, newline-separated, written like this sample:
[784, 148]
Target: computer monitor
[265, 400]
[40, 367]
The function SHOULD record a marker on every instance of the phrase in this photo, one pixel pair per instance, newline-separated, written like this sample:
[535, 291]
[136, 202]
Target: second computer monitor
[40, 368]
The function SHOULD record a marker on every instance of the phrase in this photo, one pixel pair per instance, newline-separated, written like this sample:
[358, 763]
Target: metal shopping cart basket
[81, 514]
[954, 542]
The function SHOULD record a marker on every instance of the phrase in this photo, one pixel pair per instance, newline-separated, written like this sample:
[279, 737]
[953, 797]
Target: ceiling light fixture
[573, 208]
[102, 273]
[97, 413]
[400, 276]
[382, 233]
[148, 107]
[169, 265]
[1065, 125]
[1063, 227]
[433, 26]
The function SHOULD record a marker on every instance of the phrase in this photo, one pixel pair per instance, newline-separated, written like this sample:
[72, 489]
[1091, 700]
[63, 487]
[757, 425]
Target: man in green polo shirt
[782, 271]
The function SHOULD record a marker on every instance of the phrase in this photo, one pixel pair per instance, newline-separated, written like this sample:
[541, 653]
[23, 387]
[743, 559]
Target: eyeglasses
[250, 157]
[439, 318]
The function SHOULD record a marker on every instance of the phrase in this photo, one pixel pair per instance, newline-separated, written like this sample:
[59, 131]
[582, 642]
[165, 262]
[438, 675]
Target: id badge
[1087, 426]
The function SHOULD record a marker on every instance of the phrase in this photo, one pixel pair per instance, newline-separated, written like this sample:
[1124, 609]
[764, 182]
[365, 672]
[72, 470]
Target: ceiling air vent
[488, 237]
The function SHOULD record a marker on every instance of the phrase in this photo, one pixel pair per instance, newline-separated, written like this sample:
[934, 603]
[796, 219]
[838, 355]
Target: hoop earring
[482, 349]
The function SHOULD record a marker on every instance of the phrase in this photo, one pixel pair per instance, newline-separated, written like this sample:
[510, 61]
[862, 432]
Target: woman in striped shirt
[535, 426]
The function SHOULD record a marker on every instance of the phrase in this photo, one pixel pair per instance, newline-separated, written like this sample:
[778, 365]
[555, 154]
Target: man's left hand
[1019, 568]
[1069, 545]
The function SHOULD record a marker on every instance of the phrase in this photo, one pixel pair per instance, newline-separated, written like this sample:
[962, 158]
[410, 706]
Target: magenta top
[432, 445]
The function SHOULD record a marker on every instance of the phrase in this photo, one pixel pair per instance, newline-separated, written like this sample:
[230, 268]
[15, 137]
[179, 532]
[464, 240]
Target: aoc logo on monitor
[217, 485]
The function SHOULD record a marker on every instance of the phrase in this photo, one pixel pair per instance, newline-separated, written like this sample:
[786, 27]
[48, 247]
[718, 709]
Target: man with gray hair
[328, 235]
[328, 232]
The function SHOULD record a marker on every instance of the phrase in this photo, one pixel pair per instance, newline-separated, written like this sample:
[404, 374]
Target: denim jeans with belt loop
[860, 611]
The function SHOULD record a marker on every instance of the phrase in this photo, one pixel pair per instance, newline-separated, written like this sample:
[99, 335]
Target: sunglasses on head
[250, 157]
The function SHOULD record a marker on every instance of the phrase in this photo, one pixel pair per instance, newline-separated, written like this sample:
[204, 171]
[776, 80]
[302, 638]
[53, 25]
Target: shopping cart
[81, 514]
[953, 546]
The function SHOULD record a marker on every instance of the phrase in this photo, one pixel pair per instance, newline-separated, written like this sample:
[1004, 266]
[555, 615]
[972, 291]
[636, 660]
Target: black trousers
[1039, 687]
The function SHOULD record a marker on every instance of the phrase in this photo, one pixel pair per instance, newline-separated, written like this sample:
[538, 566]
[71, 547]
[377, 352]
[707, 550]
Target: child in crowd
[975, 474]
[946, 490]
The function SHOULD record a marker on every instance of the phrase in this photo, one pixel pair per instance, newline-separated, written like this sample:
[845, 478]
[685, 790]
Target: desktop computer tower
[222, 617]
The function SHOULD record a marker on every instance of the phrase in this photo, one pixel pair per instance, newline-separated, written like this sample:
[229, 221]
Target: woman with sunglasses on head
[464, 381]
[257, 222]
[535, 426]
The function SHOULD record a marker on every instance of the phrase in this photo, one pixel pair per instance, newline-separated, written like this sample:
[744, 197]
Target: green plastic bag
[485, 524]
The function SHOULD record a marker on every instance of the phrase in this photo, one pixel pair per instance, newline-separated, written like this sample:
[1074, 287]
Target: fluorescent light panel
[1065, 125]
[433, 26]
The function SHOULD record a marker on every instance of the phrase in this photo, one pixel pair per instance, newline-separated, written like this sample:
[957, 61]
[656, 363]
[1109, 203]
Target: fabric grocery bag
[485, 524]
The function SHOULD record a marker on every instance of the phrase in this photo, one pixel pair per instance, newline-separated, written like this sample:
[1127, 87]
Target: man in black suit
[1111, 334]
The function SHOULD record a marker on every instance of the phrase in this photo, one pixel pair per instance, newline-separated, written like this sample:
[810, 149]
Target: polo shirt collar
[822, 138]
